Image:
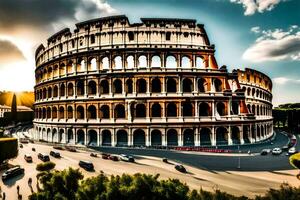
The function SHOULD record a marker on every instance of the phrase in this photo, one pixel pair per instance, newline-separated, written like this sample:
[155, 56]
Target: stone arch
[221, 108]
[218, 85]
[92, 138]
[141, 85]
[70, 112]
[155, 61]
[142, 61]
[80, 88]
[171, 110]
[205, 137]
[235, 107]
[92, 88]
[105, 63]
[204, 109]
[187, 109]
[187, 85]
[54, 135]
[235, 135]
[129, 86]
[188, 137]
[156, 110]
[104, 112]
[200, 62]
[61, 135]
[186, 62]
[172, 137]
[49, 92]
[202, 85]
[92, 112]
[80, 112]
[49, 135]
[171, 85]
[156, 85]
[70, 89]
[61, 112]
[106, 138]
[54, 112]
[139, 138]
[221, 136]
[246, 134]
[122, 138]
[156, 138]
[118, 62]
[130, 62]
[55, 91]
[140, 110]
[93, 64]
[119, 111]
[171, 62]
[80, 137]
[104, 87]
[118, 86]
[48, 112]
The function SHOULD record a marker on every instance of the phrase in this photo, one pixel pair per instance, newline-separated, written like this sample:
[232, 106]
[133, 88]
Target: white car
[276, 151]
[126, 158]
[292, 151]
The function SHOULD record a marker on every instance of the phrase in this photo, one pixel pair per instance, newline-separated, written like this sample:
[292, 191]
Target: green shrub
[46, 166]
[8, 148]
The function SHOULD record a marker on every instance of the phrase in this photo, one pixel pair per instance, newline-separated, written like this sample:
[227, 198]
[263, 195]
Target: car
[285, 148]
[58, 148]
[28, 158]
[126, 158]
[180, 168]
[15, 171]
[93, 155]
[165, 160]
[55, 154]
[113, 158]
[87, 165]
[71, 149]
[21, 145]
[265, 152]
[276, 151]
[44, 157]
[105, 156]
[292, 151]
[33, 149]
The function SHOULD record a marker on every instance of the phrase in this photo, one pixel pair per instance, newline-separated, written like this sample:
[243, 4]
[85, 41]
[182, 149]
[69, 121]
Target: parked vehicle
[113, 158]
[105, 156]
[285, 148]
[180, 168]
[165, 160]
[71, 149]
[126, 158]
[55, 154]
[276, 151]
[28, 158]
[44, 157]
[15, 171]
[265, 152]
[33, 149]
[87, 165]
[21, 145]
[58, 148]
[292, 151]
[24, 140]
[93, 155]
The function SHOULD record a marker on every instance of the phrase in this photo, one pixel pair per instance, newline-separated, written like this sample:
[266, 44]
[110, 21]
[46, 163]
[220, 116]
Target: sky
[259, 34]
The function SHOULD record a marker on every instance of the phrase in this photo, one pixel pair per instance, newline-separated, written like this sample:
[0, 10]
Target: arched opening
[205, 137]
[80, 137]
[155, 85]
[140, 110]
[249, 108]
[48, 113]
[171, 85]
[258, 133]
[80, 112]
[55, 91]
[171, 62]
[118, 87]
[253, 92]
[235, 107]
[253, 109]
[106, 138]
[61, 112]
[122, 138]
[119, 111]
[199, 62]
[80, 88]
[49, 92]
[93, 64]
[246, 133]
[218, 85]
[70, 67]
[142, 62]
[187, 109]
[70, 112]
[105, 63]
[82, 66]
[141, 86]
[44, 93]
[44, 113]
[155, 61]
[104, 112]
[130, 62]
[129, 87]
[92, 113]
[172, 137]
[70, 137]
[70, 89]
[235, 135]
[202, 85]
[92, 88]
[61, 135]
[156, 110]
[50, 73]
[188, 137]
[187, 85]
[204, 109]
[104, 87]
[92, 138]
[139, 138]
[222, 136]
[171, 110]
[54, 113]
[54, 135]
[118, 62]
[156, 138]
[248, 91]
[186, 62]
[62, 90]
[221, 109]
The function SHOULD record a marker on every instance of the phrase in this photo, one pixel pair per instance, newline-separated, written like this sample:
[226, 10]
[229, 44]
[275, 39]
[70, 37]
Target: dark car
[58, 148]
[105, 156]
[165, 160]
[43, 157]
[21, 145]
[15, 171]
[71, 149]
[113, 158]
[93, 155]
[87, 165]
[33, 149]
[55, 154]
[265, 152]
[180, 168]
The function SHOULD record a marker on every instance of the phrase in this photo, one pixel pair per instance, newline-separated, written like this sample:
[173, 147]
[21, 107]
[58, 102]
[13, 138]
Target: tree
[46, 166]
[8, 148]
[14, 108]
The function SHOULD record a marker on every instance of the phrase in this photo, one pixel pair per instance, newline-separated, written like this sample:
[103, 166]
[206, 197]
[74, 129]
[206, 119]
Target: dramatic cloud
[274, 45]
[253, 6]
[9, 53]
[284, 80]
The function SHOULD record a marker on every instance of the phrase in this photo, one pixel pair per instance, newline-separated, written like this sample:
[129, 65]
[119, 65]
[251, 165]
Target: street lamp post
[239, 158]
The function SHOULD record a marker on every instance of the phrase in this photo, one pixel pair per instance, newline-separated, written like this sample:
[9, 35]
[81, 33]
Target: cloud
[253, 6]
[274, 45]
[284, 80]
[9, 53]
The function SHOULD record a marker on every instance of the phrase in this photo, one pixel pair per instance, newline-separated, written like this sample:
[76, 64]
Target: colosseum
[154, 83]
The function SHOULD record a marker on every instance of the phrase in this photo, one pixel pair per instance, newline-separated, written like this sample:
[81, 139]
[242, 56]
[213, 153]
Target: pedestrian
[18, 189]
[30, 181]
[3, 196]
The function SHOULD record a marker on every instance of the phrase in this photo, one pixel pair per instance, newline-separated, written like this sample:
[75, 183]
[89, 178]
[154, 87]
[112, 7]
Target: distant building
[3, 109]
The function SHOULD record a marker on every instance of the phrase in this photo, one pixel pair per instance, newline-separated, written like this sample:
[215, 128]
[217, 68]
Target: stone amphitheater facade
[154, 83]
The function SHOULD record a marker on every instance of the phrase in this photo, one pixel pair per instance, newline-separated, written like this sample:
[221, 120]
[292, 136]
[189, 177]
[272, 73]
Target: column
[196, 111]
[180, 139]
[229, 136]
[197, 137]
[213, 137]
[164, 138]
[85, 138]
[98, 138]
[213, 111]
[242, 141]
[163, 88]
[148, 137]
[195, 86]
[130, 140]
[113, 139]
